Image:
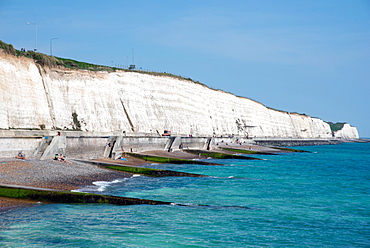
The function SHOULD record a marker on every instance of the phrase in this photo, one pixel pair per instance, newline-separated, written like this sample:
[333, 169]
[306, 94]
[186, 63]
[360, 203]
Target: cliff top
[52, 61]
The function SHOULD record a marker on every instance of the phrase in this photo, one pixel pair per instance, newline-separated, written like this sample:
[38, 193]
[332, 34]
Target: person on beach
[61, 158]
[56, 156]
[21, 156]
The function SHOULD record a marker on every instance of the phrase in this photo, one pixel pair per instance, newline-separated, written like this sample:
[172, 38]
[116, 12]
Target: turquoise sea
[317, 199]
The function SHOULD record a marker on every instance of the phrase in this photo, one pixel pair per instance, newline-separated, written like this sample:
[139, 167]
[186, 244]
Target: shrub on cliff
[70, 64]
[9, 49]
[336, 126]
[42, 59]
[76, 122]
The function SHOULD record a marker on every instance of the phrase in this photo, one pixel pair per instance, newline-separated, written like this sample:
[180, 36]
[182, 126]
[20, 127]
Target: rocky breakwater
[35, 96]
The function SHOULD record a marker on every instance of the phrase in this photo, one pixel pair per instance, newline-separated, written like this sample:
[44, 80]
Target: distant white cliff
[346, 132]
[32, 96]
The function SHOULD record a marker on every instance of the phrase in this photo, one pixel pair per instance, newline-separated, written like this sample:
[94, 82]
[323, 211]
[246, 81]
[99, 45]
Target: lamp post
[28, 23]
[51, 45]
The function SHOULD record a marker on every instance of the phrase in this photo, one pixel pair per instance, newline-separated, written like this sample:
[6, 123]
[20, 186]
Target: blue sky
[308, 57]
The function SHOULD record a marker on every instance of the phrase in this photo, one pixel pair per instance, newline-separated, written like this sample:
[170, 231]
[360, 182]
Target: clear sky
[309, 57]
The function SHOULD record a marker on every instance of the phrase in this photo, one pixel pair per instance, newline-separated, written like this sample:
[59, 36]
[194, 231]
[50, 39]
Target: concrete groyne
[58, 196]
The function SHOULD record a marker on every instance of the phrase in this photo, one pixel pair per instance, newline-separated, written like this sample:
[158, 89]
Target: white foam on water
[118, 180]
[102, 185]
[99, 186]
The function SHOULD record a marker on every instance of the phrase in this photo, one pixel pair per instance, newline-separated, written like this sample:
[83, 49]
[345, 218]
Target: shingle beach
[49, 174]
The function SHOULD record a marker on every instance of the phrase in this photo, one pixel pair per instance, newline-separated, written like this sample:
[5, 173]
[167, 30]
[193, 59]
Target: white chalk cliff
[347, 132]
[32, 96]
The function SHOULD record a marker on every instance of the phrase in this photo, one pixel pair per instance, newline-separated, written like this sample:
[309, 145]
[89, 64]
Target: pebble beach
[49, 174]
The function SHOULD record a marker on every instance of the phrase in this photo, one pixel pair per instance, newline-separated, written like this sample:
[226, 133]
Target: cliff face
[347, 132]
[32, 96]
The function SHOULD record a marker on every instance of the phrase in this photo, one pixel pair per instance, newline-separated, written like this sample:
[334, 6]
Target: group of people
[60, 157]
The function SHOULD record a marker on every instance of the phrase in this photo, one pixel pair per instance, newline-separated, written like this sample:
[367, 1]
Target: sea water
[316, 199]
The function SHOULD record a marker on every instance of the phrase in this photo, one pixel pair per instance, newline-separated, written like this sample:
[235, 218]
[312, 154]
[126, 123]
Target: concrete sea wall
[11, 146]
[93, 147]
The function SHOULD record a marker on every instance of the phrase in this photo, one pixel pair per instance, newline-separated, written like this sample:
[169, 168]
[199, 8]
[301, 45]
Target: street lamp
[28, 23]
[51, 45]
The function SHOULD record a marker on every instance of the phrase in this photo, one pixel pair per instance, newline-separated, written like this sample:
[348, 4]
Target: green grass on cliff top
[52, 61]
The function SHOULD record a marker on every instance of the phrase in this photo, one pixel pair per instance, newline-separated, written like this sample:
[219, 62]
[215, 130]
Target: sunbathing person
[21, 156]
[61, 158]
